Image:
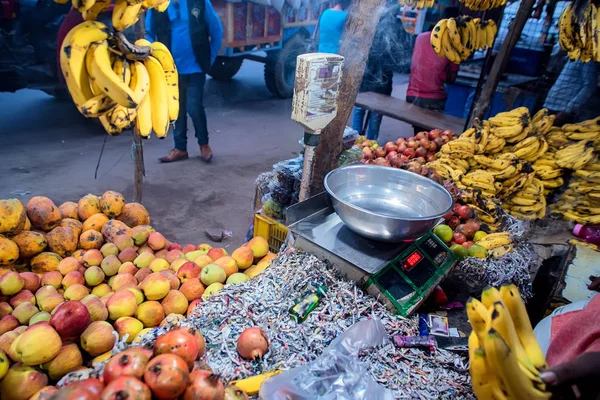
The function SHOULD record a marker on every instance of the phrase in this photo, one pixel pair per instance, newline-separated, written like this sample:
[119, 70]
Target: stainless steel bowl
[386, 204]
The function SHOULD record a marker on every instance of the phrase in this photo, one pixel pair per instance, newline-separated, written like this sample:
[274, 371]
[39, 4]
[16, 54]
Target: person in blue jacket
[192, 31]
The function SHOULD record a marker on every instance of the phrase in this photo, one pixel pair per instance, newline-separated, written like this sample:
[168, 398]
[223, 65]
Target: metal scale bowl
[374, 225]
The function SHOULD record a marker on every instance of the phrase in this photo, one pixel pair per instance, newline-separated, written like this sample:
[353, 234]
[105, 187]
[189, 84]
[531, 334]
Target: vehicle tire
[280, 66]
[225, 68]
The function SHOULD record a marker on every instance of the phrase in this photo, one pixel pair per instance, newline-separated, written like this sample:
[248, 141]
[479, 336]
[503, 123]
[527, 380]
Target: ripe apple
[70, 319]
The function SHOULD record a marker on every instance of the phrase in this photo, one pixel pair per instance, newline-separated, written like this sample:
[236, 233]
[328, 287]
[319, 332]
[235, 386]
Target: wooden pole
[138, 149]
[356, 42]
[512, 37]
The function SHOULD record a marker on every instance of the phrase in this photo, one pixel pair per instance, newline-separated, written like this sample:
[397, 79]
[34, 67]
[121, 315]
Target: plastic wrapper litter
[337, 373]
[350, 156]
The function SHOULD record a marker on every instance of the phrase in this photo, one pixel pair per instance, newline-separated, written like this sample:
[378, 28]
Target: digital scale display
[412, 260]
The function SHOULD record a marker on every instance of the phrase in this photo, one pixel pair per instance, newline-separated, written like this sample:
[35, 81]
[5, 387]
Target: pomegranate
[181, 342]
[204, 385]
[234, 393]
[454, 222]
[397, 162]
[421, 135]
[445, 139]
[381, 161]
[430, 157]
[420, 160]
[400, 141]
[368, 153]
[253, 343]
[473, 223]
[126, 388]
[449, 215]
[434, 134]
[410, 153]
[92, 385]
[448, 133]
[466, 229]
[421, 152]
[424, 142]
[413, 144]
[390, 146]
[468, 244]
[433, 147]
[391, 155]
[380, 152]
[367, 143]
[465, 212]
[131, 362]
[167, 375]
[74, 392]
[456, 207]
[439, 142]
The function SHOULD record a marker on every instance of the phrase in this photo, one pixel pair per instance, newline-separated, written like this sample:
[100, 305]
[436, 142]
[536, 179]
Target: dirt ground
[47, 148]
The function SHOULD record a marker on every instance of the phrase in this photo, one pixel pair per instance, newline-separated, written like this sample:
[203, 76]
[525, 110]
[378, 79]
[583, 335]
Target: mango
[30, 243]
[111, 203]
[134, 214]
[45, 262]
[62, 241]
[87, 206]
[112, 228]
[259, 246]
[12, 216]
[43, 213]
[91, 239]
[73, 224]
[9, 251]
[243, 256]
[95, 222]
[68, 209]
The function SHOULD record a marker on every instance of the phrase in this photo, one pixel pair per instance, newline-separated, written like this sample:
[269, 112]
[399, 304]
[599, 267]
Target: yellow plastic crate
[273, 231]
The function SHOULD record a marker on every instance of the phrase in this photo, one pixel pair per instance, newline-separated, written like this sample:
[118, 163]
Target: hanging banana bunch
[457, 38]
[482, 5]
[580, 36]
[120, 83]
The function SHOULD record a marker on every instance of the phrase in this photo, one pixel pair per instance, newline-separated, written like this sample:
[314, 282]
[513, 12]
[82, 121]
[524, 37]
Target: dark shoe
[206, 153]
[174, 155]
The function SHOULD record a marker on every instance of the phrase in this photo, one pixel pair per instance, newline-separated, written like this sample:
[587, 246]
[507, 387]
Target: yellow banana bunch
[575, 156]
[418, 3]
[505, 357]
[482, 5]
[494, 240]
[580, 41]
[126, 12]
[122, 84]
[457, 38]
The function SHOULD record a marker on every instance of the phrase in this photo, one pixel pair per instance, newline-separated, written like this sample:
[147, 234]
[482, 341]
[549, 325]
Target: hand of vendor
[575, 379]
[595, 285]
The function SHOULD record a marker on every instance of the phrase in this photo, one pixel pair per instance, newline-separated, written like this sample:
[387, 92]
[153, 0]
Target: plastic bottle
[589, 233]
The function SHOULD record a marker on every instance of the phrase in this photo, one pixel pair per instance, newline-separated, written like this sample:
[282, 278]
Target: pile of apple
[461, 231]
[170, 371]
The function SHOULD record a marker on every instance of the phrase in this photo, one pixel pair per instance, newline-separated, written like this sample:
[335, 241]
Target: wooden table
[402, 110]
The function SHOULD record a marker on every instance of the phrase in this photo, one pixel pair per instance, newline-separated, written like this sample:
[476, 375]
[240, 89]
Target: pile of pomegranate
[410, 154]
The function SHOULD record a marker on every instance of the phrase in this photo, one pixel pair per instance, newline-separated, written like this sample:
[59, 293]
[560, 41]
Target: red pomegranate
[181, 342]
[92, 385]
[131, 362]
[126, 388]
[167, 375]
[204, 385]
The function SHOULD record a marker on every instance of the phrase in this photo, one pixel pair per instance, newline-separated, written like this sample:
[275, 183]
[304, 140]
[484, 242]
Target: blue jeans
[374, 122]
[191, 94]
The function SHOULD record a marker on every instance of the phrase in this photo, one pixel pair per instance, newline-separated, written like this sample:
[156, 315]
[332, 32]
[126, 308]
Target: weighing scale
[401, 275]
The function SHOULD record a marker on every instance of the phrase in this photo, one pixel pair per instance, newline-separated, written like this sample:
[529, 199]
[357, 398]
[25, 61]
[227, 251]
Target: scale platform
[405, 273]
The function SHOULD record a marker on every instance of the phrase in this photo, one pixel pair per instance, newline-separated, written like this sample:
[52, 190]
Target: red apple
[187, 271]
[459, 238]
[175, 246]
[70, 319]
[456, 207]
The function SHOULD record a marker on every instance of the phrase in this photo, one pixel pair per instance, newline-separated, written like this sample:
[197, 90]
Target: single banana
[99, 7]
[158, 97]
[82, 5]
[143, 119]
[97, 106]
[111, 84]
[454, 35]
[439, 31]
[252, 385]
[515, 306]
[162, 54]
[140, 81]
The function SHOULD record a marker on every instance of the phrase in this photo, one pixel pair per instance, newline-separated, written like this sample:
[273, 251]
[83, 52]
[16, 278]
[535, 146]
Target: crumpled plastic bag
[337, 373]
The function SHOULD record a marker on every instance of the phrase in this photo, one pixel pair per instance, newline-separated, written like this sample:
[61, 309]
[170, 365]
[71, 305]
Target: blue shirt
[331, 27]
[575, 85]
[181, 42]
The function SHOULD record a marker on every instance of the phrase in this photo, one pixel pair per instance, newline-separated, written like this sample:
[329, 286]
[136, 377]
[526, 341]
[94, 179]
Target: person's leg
[358, 117]
[374, 125]
[198, 114]
[180, 131]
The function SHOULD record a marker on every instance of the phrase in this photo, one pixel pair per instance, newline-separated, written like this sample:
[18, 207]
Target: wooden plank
[363, 17]
[499, 66]
[404, 111]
